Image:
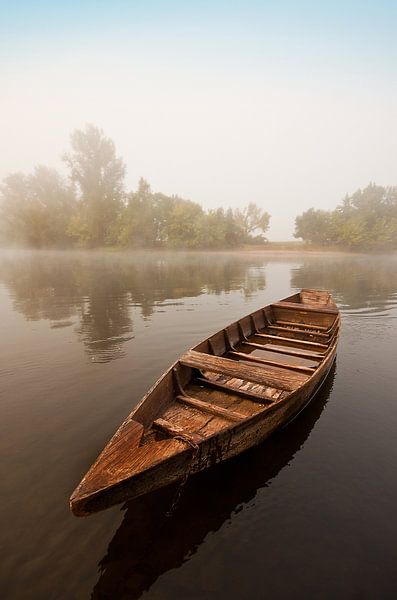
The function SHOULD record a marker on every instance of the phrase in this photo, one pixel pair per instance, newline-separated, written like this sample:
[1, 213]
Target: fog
[223, 106]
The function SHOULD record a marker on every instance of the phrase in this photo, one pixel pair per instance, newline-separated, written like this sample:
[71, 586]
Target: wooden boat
[147, 544]
[228, 393]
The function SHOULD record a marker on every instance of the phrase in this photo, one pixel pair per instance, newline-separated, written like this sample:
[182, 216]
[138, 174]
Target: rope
[195, 447]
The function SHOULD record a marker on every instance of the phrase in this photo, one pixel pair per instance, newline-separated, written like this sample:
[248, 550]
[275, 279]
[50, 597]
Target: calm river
[310, 514]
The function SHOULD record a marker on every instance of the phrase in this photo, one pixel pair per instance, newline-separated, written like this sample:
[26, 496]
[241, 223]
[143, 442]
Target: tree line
[365, 220]
[91, 207]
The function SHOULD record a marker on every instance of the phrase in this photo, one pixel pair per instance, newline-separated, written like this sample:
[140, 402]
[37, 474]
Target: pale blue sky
[288, 104]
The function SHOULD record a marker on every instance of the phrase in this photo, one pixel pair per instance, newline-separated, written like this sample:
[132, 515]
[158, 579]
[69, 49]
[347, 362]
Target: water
[309, 514]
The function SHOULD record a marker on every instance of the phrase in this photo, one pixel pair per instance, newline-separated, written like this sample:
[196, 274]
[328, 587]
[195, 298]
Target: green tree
[93, 209]
[99, 176]
[36, 209]
[314, 226]
[184, 224]
[234, 230]
[365, 220]
[139, 218]
[253, 221]
[213, 229]
[222, 229]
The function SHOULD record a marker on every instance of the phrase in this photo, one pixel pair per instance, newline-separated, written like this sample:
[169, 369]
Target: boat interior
[243, 369]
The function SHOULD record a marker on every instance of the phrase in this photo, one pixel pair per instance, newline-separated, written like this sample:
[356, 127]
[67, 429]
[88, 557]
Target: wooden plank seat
[315, 297]
[294, 343]
[300, 332]
[208, 407]
[271, 339]
[242, 384]
[298, 306]
[316, 329]
[265, 375]
[297, 333]
[223, 387]
[266, 361]
[285, 350]
[304, 326]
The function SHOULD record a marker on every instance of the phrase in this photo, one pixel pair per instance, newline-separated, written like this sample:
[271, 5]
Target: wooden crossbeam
[213, 409]
[265, 361]
[294, 343]
[285, 350]
[296, 332]
[228, 389]
[302, 325]
[305, 308]
[265, 375]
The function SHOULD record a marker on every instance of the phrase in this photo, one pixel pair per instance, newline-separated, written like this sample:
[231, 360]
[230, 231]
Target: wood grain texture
[322, 338]
[296, 306]
[293, 343]
[265, 375]
[303, 326]
[255, 397]
[265, 361]
[211, 408]
[316, 297]
[245, 406]
[177, 431]
[187, 417]
[288, 351]
[281, 312]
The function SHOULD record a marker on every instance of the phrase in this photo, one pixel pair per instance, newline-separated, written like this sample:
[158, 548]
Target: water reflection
[363, 284]
[98, 292]
[148, 543]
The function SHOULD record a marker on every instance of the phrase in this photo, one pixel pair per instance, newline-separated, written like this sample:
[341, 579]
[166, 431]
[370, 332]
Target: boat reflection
[149, 543]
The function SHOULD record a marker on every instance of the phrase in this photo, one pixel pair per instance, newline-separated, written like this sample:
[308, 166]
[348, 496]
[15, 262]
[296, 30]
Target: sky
[287, 104]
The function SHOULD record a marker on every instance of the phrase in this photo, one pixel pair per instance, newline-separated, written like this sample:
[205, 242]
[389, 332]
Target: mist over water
[83, 337]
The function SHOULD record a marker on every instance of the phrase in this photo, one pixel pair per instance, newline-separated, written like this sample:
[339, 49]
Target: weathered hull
[217, 449]
[190, 452]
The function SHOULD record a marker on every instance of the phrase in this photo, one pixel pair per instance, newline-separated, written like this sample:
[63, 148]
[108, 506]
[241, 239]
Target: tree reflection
[366, 283]
[98, 291]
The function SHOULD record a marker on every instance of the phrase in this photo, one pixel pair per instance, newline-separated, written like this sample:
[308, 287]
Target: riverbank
[270, 249]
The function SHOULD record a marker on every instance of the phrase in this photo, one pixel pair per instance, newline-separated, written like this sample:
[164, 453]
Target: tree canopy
[99, 176]
[365, 220]
[91, 208]
[154, 219]
[36, 209]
